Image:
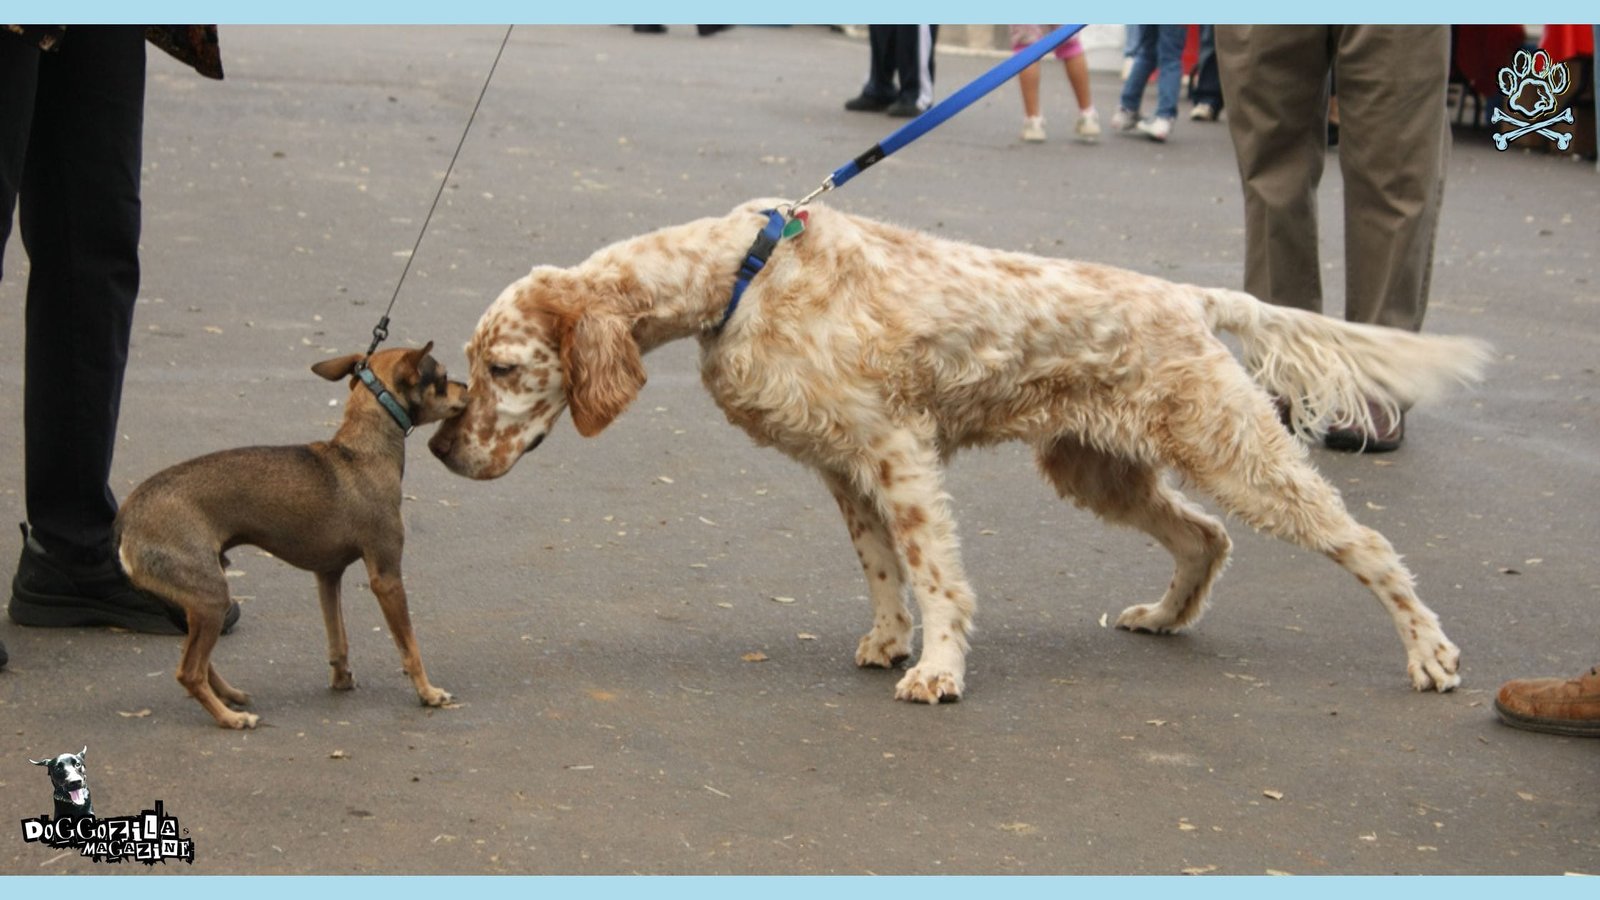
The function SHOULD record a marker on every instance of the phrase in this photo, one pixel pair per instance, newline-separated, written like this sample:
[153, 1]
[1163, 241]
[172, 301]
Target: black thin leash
[380, 332]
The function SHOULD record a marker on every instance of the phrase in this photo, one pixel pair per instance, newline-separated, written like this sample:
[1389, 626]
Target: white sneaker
[1033, 129]
[1124, 120]
[1203, 112]
[1088, 127]
[1157, 129]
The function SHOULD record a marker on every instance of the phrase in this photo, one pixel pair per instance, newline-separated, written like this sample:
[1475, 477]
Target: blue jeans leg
[1144, 62]
[1169, 53]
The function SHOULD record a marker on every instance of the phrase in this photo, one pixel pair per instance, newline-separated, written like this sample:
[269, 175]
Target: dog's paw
[1150, 618]
[879, 650]
[1434, 666]
[433, 696]
[343, 681]
[234, 696]
[239, 720]
[928, 684]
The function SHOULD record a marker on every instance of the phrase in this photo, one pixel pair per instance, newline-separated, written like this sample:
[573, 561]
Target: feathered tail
[1328, 369]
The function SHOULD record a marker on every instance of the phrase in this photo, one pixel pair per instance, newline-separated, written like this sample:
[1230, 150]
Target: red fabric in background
[1566, 41]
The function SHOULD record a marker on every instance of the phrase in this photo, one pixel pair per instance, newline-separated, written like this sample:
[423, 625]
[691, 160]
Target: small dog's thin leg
[333, 621]
[889, 641]
[391, 593]
[223, 689]
[194, 670]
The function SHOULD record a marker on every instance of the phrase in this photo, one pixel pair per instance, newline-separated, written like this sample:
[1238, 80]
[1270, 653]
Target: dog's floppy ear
[338, 367]
[601, 367]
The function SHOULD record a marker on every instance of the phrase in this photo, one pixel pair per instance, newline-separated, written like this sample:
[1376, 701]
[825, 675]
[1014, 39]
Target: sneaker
[1156, 129]
[1124, 120]
[867, 103]
[1088, 127]
[904, 109]
[1033, 129]
[50, 593]
[1203, 112]
[1551, 705]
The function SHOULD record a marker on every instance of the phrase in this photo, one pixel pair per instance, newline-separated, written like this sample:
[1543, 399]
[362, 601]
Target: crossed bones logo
[1533, 76]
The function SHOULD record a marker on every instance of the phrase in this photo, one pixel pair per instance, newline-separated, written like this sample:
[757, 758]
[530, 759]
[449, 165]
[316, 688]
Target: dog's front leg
[384, 576]
[333, 621]
[889, 641]
[910, 497]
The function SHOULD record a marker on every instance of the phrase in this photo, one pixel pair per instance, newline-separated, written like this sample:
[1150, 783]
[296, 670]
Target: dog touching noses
[318, 506]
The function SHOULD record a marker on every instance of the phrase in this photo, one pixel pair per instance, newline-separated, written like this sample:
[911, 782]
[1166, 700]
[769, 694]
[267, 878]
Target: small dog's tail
[1327, 369]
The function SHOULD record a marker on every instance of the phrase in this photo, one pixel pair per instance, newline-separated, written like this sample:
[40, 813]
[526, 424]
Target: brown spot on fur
[909, 518]
[913, 554]
[885, 472]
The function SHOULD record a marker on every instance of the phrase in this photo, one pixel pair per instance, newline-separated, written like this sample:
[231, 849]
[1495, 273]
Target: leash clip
[792, 208]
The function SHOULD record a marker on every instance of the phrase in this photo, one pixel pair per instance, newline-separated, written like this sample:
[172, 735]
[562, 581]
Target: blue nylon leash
[942, 111]
[756, 257]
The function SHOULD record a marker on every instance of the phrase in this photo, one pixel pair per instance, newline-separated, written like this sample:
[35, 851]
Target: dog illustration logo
[153, 836]
[71, 787]
[1531, 85]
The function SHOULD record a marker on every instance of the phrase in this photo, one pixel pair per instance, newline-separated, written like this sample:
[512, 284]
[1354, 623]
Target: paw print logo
[1531, 85]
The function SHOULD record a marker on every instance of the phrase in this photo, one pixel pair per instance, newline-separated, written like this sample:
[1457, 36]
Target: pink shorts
[1028, 35]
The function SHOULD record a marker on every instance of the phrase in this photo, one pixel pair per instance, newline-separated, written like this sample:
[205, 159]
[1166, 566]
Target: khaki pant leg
[1395, 142]
[1275, 88]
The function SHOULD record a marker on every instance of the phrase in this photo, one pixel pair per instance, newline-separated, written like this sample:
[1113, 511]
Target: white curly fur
[873, 353]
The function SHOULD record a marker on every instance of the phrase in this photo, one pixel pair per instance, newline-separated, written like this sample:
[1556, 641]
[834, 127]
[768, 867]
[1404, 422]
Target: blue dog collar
[385, 399]
[755, 259]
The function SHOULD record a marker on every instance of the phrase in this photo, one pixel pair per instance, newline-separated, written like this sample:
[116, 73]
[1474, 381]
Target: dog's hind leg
[191, 579]
[333, 621]
[889, 641]
[207, 608]
[1232, 445]
[1126, 492]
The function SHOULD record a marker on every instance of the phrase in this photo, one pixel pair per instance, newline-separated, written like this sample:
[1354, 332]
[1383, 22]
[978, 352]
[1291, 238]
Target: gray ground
[593, 610]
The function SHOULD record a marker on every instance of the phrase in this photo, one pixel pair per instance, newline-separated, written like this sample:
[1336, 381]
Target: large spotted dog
[873, 353]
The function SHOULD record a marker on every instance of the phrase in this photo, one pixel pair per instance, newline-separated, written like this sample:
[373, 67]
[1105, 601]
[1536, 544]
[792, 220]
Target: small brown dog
[318, 507]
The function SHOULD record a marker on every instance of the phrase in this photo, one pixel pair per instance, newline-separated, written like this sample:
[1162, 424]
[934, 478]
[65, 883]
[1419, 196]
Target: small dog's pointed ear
[338, 367]
[39, 762]
[84, 751]
[601, 365]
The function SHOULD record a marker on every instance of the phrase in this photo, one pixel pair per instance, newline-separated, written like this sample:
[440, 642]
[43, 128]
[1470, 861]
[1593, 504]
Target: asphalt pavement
[650, 632]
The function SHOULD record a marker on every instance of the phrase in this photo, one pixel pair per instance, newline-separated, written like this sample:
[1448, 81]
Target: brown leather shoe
[1386, 435]
[1551, 705]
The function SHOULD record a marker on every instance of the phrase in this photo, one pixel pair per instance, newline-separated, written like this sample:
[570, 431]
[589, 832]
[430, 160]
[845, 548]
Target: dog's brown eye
[500, 370]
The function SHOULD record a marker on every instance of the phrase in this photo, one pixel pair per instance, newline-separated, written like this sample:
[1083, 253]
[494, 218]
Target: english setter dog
[873, 353]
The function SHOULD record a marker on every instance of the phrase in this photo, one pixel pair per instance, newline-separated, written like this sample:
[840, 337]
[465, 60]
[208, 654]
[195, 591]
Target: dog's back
[290, 501]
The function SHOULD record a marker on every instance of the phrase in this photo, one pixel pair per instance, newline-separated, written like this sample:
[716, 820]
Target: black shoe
[3, 656]
[709, 30]
[649, 29]
[50, 593]
[904, 109]
[867, 103]
[1386, 436]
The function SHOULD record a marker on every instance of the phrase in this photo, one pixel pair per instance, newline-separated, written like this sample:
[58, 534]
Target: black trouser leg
[79, 202]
